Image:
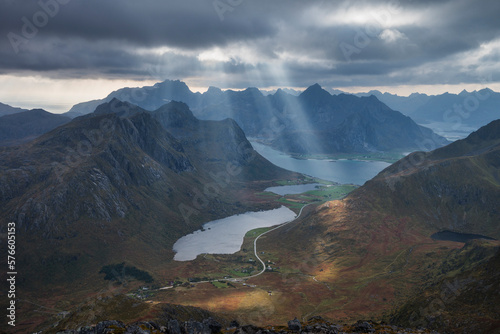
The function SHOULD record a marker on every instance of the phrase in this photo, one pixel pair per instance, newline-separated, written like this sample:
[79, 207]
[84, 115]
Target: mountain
[313, 122]
[286, 90]
[111, 191]
[105, 159]
[117, 186]
[148, 97]
[345, 123]
[372, 252]
[434, 182]
[451, 115]
[5, 109]
[26, 125]
[405, 104]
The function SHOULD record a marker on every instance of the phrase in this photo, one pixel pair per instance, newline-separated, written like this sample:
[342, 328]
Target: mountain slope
[404, 104]
[5, 109]
[26, 125]
[105, 188]
[435, 183]
[463, 303]
[345, 123]
[364, 255]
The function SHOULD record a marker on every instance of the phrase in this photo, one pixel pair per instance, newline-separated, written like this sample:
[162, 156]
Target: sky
[56, 53]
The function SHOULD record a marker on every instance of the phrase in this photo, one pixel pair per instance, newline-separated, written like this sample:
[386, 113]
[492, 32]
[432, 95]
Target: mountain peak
[417, 94]
[486, 90]
[253, 90]
[39, 111]
[213, 90]
[120, 108]
[316, 86]
[177, 83]
[175, 114]
[315, 91]
[280, 92]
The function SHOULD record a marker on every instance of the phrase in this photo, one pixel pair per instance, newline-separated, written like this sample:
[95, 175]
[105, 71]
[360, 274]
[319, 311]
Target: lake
[457, 237]
[340, 171]
[225, 236]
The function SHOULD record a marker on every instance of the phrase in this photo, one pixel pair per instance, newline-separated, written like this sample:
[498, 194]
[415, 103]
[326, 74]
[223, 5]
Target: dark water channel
[458, 237]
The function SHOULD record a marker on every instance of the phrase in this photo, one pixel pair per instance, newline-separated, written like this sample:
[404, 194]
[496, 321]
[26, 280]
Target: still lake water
[458, 237]
[225, 236]
[341, 171]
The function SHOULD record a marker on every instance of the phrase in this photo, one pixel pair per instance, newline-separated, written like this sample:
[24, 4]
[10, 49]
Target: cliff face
[213, 144]
[88, 169]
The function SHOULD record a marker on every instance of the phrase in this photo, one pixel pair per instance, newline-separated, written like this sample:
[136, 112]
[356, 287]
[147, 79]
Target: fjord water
[225, 236]
[340, 171]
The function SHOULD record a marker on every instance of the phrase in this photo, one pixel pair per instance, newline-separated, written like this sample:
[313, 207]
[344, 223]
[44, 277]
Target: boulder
[294, 325]
[364, 327]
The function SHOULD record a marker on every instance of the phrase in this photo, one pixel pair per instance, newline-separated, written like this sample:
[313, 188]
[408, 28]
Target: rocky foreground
[211, 326]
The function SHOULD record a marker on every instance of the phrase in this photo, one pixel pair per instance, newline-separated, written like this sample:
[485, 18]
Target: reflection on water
[225, 236]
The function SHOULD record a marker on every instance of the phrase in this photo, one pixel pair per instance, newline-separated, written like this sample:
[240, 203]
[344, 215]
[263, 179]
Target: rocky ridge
[316, 325]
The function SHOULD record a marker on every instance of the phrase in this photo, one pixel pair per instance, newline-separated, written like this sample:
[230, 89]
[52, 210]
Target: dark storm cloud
[115, 38]
[185, 24]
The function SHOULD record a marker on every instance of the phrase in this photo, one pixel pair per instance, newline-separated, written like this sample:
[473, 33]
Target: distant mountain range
[272, 116]
[24, 126]
[450, 115]
[286, 90]
[404, 104]
[312, 122]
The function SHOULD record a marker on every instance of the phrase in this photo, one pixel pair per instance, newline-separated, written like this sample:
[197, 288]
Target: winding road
[260, 235]
[239, 279]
